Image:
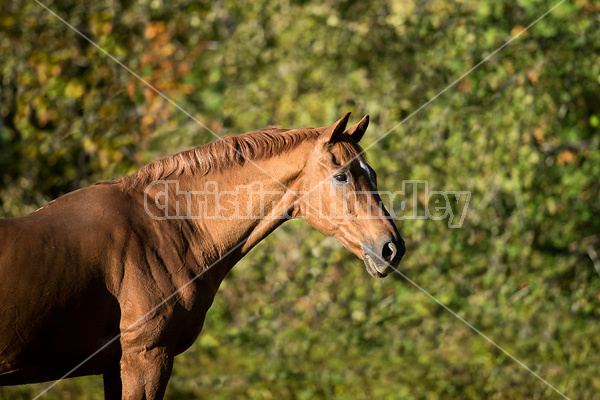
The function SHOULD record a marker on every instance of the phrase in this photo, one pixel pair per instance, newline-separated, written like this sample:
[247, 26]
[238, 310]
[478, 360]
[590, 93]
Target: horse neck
[255, 199]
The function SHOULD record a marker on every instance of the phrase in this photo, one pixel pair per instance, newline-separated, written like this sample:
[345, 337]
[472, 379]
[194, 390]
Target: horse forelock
[349, 150]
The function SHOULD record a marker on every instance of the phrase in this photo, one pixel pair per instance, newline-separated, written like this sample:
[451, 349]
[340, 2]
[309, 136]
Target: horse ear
[333, 132]
[357, 131]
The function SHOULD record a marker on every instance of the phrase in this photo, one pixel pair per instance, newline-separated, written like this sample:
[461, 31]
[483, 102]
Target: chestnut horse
[116, 278]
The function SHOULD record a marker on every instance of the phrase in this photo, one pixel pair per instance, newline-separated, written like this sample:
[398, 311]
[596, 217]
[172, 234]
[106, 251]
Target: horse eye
[343, 177]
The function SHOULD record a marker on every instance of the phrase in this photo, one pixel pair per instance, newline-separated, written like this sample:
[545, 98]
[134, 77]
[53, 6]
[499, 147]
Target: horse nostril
[389, 251]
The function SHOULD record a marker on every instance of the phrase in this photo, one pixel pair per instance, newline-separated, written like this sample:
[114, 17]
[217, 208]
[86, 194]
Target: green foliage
[299, 318]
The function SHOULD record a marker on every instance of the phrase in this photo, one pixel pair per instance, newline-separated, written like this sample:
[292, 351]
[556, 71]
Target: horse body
[95, 269]
[55, 305]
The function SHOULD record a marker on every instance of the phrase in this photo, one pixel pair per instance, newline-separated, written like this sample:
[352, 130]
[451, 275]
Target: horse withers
[116, 278]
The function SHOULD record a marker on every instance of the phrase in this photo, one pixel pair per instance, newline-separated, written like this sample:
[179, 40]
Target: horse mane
[224, 153]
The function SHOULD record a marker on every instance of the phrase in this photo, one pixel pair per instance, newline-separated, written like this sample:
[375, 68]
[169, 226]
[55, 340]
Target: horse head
[341, 200]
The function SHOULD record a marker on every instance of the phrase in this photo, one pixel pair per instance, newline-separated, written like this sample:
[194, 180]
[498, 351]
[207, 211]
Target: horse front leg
[145, 373]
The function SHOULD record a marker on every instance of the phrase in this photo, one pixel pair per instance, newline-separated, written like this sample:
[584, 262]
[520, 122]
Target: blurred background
[299, 318]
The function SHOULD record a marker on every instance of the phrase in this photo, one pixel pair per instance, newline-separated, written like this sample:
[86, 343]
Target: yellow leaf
[147, 120]
[515, 31]
[74, 89]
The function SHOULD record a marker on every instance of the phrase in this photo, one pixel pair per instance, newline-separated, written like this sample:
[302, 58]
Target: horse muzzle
[383, 256]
